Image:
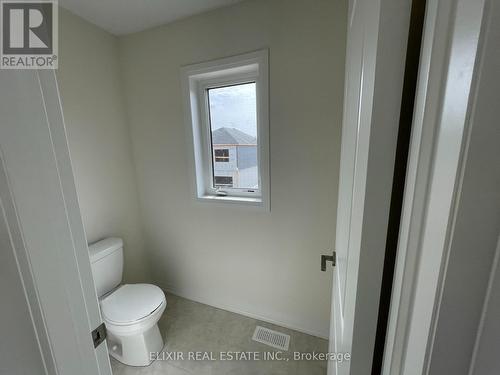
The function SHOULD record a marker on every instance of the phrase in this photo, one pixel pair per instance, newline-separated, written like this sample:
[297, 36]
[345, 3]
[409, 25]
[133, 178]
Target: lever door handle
[328, 258]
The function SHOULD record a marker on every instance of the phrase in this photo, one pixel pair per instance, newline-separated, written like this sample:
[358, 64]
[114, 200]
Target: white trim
[439, 139]
[231, 199]
[226, 307]
[196, 79]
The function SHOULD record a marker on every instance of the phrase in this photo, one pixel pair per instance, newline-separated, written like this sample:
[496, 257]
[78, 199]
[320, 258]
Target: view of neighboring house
[234, 159]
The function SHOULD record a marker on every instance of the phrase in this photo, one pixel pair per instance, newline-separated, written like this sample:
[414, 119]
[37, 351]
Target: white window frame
[197, 79]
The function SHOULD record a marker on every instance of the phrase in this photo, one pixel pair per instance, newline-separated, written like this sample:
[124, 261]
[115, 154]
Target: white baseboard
[245, 313]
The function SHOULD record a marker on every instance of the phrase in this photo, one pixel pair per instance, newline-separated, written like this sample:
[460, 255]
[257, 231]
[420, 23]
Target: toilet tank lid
[100, 249]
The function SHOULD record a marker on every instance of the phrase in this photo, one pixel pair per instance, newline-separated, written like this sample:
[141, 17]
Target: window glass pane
[233, 124]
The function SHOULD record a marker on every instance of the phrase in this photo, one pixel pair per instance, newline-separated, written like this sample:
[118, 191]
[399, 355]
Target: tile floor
[193, 327]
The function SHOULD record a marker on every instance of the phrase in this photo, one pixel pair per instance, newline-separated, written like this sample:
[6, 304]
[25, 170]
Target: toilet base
[136, 350]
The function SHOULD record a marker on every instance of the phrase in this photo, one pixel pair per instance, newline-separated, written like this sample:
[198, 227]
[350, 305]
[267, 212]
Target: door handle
[328, 258]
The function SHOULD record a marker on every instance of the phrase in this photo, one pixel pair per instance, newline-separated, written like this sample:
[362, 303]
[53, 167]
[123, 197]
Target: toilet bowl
[131, 314]
[130, 311]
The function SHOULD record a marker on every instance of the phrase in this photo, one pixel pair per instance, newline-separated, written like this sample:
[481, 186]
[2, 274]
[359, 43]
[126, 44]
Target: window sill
[251, 201]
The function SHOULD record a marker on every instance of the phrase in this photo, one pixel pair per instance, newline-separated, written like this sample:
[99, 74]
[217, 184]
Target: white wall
[99, 140]
[274, 272]
[248, 176]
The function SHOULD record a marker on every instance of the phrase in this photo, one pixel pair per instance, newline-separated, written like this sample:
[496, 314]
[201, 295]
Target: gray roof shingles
[232, 136]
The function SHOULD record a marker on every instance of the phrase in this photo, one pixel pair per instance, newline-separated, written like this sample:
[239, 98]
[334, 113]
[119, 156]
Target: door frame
[449, 58]
[51, 239]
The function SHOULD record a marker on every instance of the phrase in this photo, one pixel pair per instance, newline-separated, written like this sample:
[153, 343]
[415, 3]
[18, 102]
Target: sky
[234, 107]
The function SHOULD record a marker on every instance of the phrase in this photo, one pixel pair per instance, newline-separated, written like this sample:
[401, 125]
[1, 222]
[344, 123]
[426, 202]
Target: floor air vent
[272, 338]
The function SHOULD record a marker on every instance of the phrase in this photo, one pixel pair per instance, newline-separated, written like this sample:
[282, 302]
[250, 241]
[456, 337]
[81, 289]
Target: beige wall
[260, 263]
[99, 139]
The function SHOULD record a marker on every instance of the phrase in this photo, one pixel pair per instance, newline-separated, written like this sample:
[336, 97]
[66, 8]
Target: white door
[338, 337]
[20, 317]
[39, 185]
[372, 97]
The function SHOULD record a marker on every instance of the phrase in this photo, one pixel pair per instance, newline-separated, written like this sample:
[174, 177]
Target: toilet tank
[106, 261]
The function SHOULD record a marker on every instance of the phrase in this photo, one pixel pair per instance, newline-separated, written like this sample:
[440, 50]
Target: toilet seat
[132, 303]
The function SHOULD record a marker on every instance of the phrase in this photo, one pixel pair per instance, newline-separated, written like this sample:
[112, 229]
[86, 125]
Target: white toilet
[130, 311]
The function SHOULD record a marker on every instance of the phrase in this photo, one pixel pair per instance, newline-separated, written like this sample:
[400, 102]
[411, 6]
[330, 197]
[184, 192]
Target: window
[233, 124]
[227, 113]
[223, 181]
[221, 155]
